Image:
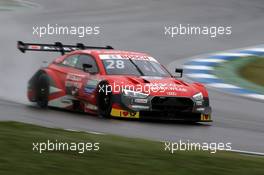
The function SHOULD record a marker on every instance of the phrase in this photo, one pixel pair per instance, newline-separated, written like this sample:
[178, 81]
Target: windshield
[134, 67]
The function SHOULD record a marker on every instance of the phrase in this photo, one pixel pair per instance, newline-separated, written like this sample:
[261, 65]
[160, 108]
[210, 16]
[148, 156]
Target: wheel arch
[33, 82]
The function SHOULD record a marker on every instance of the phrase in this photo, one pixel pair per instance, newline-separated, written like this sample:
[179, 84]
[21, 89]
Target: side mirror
[86, 67]
[178, 72]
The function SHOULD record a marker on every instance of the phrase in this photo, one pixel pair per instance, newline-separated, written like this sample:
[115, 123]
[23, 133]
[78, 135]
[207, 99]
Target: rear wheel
[104, 101]
[42, 90]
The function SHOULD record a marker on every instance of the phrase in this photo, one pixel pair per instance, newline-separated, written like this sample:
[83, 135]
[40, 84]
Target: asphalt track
[136, 25]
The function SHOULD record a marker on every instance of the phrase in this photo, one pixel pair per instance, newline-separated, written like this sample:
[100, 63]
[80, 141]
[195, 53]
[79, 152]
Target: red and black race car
[114, 83]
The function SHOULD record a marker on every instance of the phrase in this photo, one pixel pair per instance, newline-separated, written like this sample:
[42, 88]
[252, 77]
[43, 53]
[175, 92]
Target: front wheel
[104, 101]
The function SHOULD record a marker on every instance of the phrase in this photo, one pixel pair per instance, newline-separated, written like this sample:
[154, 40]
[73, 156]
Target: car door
[91, 79]
[72, 76]
[69, 75]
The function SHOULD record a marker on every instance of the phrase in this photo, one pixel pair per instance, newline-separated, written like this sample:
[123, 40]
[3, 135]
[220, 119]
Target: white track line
[198, 67]
[255, 49]
[72, 130]
[247, 152]
[200, 75]
[93, 132]
[233, 54]
[223, 85]
[257, 96]
[89, 132]
[209, 60]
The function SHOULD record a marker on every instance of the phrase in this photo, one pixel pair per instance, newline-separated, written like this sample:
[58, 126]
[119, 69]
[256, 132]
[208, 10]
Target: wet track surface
[136, 25]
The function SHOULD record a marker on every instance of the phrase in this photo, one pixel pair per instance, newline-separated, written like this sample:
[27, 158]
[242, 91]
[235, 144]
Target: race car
[114, 83]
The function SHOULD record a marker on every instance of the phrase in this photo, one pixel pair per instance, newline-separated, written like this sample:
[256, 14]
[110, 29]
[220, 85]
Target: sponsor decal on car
[91, 86]
[90, 106]
[123, 56]
[123, 113]
[205, 117]
[74, 77]
[171, 93]
[34, 47]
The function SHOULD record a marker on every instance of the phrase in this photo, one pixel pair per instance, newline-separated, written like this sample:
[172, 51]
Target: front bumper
[162, 108]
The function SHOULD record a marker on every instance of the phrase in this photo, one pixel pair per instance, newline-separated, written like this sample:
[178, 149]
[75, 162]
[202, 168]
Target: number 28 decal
[115, 64]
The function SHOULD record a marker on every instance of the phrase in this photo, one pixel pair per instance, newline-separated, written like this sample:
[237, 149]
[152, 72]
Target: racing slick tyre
[42, 91]
[104, 101]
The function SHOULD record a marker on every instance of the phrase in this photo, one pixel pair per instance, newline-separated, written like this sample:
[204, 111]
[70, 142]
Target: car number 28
[115, 64]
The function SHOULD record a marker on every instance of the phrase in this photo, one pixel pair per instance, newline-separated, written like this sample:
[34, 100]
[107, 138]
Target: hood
[154, 86]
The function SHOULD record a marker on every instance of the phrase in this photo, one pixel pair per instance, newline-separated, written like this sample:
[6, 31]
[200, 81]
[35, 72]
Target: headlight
[135, 94]
[198, 97]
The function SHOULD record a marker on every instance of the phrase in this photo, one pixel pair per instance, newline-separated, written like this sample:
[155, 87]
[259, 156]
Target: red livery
[113, 83]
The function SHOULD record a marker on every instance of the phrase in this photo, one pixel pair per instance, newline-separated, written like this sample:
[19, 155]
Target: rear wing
[56, 47]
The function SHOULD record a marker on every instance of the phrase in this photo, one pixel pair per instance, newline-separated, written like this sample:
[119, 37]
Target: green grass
[117, 155]
[254, 71]
[230, 72]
